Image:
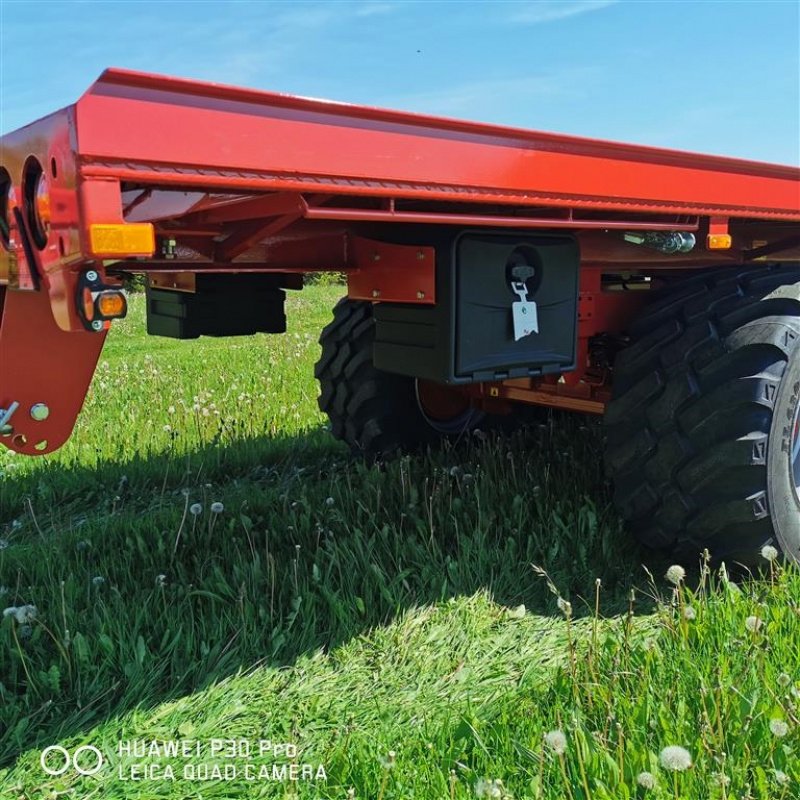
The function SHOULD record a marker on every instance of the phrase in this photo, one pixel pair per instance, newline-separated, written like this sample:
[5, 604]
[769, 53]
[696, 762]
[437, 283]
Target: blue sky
[719, 77]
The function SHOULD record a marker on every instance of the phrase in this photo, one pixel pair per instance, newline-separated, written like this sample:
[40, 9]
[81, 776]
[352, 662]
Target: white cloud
[495, 99]
[373, 9]
[535, 11]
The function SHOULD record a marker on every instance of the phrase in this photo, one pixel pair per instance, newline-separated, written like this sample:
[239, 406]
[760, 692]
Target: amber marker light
[111, 304]
[719, 241]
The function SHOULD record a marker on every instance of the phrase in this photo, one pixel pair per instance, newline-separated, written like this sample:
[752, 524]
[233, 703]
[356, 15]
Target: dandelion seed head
[753, 623]
[217, 508]
[781, 778]
[721, 779]
[4, 544]
[488, 788]
[98, 580]
[675, 758]
[161, 581]
[689, 613]
[564, 606]
[769, 553]
[556, 741]
[675, 574]
[646, 780]
[329, 501]
[778, 727]
[195, 509]
[783, 679]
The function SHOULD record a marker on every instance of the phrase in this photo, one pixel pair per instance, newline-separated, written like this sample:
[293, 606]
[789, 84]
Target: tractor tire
[702, 432]
[376, 413]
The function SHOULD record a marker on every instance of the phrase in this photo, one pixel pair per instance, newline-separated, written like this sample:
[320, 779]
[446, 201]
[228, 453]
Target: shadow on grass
[141, 601]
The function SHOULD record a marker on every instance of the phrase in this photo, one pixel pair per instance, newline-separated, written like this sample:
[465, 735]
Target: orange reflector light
[718, 241]
[123, 239]
[88, 304]
[111, 304]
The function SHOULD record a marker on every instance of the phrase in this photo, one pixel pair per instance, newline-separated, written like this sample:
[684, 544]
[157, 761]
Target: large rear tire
[703, 431]
[379, 413]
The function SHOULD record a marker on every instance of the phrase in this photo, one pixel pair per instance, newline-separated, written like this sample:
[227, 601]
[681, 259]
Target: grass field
[388, 621]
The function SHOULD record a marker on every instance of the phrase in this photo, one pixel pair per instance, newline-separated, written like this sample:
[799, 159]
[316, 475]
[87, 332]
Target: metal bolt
[376, 293]
[97, 325]
[420, 295]
[92, 276]
[40, 412]
[376, 256]
[420, 255]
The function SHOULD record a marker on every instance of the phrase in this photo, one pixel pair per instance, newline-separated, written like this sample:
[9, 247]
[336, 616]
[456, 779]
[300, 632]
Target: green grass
[359, 611]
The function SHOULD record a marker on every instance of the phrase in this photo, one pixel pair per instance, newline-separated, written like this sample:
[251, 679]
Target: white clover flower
[98, 580]
[217, 508]
[171, 410]
[329, 501]
[9, 612]
[783, 679]
[675, 574]
[675, 758]
[167, 428]
[564, 606]
[195, 509]
[646, 780]
[161, 581]
[689, 613]
[389, 761]
[556, 741]
[781, 778]
[778, 727]
[753, 623]
[769, 553]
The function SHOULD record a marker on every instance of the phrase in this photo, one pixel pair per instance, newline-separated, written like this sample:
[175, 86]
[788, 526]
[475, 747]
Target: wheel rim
[794, 465]
[446, 410]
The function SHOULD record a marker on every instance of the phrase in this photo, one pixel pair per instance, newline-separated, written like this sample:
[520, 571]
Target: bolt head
[97, 325]
[420, 295]
[91, 275]
[376, 256]
[376, 293]
[40, 412]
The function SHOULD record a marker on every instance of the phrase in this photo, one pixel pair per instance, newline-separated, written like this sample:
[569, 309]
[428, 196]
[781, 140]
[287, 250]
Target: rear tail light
[99, 303]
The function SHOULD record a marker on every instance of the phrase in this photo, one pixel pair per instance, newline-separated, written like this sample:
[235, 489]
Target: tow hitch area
[507, 308]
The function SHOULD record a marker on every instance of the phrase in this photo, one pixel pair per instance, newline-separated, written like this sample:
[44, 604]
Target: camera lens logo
[86, 760]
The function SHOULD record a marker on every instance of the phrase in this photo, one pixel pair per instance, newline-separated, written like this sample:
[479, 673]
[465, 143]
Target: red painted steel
[162, 130]
[244, 180]
[391, 273]
[42, 364]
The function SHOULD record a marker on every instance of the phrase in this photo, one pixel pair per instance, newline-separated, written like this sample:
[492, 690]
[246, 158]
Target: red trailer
[489, 269]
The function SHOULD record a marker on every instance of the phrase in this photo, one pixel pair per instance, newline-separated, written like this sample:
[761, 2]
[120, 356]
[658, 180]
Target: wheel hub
[445, 409]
